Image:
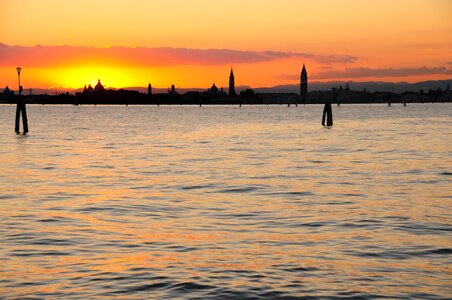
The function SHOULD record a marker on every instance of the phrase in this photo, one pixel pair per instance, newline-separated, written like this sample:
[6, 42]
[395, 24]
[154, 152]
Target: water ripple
[169, 202]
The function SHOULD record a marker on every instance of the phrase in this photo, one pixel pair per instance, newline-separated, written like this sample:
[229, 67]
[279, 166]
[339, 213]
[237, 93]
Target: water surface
[257, 202]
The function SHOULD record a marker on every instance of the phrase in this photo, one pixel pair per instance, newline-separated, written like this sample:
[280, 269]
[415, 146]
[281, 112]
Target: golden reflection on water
[353, 208]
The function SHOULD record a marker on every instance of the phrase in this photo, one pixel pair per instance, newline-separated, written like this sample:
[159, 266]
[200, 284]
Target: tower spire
[303, 71]
[303, 82]
[232, 92]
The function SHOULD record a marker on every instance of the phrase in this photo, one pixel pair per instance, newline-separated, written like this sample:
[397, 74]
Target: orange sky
[194, 43]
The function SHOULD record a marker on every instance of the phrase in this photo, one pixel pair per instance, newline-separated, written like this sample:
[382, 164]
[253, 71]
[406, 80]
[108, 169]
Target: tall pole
[18, 75]
[21, 108]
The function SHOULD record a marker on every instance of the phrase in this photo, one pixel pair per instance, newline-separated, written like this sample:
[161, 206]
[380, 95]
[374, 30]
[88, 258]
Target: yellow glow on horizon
[110, 77]
[252, 75]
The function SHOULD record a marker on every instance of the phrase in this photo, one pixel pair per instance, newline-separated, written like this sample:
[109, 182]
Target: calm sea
[257, 202]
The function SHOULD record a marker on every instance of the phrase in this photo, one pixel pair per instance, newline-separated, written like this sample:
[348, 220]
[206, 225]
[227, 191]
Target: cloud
[60, 56]
[385, 72]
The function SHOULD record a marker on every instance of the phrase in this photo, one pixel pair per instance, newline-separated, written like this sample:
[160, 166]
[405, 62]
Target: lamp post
[21, 107]
[18, 75]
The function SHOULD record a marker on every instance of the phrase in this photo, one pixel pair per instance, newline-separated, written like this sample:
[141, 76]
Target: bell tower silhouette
[232, 92]
[303, 82]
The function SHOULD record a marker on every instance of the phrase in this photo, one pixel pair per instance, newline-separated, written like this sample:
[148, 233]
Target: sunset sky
[68, 43]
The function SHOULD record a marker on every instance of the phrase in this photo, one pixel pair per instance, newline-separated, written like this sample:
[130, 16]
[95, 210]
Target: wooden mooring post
[21, 108]
[328, 115]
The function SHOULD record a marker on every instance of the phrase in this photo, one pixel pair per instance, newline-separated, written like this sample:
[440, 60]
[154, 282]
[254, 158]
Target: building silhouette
[232, 84]
[172, 91]
[214, 89]
[88, 90]
[99, 87]
[303, 82]
[149, 89]
[7, 91]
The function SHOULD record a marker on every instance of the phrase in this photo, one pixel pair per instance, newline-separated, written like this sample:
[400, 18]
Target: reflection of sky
[189, 192]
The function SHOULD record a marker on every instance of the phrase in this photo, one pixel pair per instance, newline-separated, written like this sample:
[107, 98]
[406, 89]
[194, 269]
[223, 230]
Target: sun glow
[78, 77]
[110, 77]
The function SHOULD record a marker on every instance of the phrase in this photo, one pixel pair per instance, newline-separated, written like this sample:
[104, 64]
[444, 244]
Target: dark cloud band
[60, 56]
[384, 72]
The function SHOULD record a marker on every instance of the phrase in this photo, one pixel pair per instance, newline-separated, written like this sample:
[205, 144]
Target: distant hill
[371, 86]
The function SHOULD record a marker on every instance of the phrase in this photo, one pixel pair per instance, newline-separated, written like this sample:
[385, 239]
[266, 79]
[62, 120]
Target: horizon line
[294, 85]
[248, 86]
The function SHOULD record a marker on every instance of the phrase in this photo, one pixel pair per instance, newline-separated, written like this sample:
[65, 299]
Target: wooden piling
[21, 109]
[328, 115]
[17, 118]
[24, 118]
